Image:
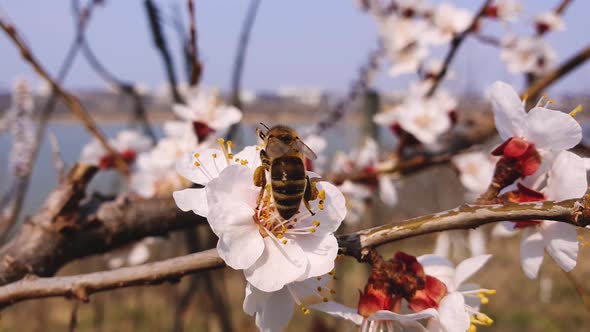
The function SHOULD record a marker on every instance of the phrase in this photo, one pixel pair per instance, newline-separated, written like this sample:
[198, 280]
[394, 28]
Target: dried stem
[72, 102]
[23, 182]
[125, 87]
[240, 56]
[455, 44]
[542, 83]
[196, 69]
[574, 211]
[160, 43]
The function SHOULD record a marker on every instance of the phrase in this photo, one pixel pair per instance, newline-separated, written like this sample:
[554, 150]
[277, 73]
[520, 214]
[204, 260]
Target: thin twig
[574, 211]
[125, 87]
[161, 44]
[60, 166]
[73, 317]
[72, 102]
[240, 56]
[455, 44]
[23, 185]
[196, 68]
[542, 83]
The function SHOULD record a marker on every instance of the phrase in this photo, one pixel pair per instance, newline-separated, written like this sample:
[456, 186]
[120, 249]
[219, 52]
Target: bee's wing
[307, 152]
[275, 148]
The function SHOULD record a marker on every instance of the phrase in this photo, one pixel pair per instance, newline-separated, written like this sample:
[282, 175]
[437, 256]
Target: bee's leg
[260, 181]
[260, 176]
[311, 193]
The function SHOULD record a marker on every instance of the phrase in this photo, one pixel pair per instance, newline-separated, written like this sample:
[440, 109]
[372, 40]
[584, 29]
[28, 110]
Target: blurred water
[72, 137]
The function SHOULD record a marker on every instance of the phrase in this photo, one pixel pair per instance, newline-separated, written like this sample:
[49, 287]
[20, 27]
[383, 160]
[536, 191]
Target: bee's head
[286, 135]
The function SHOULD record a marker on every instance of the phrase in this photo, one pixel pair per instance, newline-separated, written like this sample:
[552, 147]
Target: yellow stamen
[285, 241]
[279, 236]
[583, 242]
[481, 319]
[316, 223]
[196, 155]
[244, 162]
[319, 288]
[230, 156]
[214, 155]
[312, 230]
[472, 328]
[576, 110]
[230, 144]
[196, 163]
[322, 194]
[319, 278]
[488, 292]
[325, 299]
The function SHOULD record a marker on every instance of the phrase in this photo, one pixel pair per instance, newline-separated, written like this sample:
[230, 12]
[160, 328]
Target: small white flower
[274, 310]
[129, 143]
[460, 307]
[403, 39]
[527, 55]
[565, 180]
[208, 113]
[382, 320]
[260, 242]
[549, 21]
[476, 170]
[549, 130]
[136, 254]
[507, 10]
[448, 21]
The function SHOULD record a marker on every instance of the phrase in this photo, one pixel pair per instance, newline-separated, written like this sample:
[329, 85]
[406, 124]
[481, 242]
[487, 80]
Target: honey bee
[283, 156]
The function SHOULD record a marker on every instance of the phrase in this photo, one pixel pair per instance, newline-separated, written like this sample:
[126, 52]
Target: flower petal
[321, 253]
[561, 242]
[567, 177]
[531, 252]
[468, 268]
[208, 169]
[509, 113]
[253, 299]
[438, 267]
[278, 265]
[387, 191]
[452, 314]
[251, 154]
[233, 184]
[390, 315]
[333, 213]
[226, 116]
[552, 130]
[192, 199]
[504, 229]
[338, 310]
[477, 241]
[273, 311]
[240, 244]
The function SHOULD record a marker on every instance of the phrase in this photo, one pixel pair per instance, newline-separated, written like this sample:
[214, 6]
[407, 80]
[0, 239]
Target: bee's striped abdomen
[287, 176]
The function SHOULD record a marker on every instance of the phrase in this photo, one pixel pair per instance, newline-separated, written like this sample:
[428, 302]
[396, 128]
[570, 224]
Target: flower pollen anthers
[207, 113]
[272, 251]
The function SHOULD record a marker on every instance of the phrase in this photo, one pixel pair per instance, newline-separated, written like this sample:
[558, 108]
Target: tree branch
[455, 44]
[160, 43]
[545, 81]
[72, 102]
[240, 56]
[574, 211]
[81, 286]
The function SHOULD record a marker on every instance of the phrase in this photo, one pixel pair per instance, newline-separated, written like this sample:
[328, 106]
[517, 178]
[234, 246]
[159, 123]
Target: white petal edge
[192, 199]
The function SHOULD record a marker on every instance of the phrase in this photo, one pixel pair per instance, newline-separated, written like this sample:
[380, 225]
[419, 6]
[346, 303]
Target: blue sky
[303, 42]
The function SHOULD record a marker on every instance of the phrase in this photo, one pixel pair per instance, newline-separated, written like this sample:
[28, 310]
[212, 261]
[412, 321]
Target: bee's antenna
[265, 126]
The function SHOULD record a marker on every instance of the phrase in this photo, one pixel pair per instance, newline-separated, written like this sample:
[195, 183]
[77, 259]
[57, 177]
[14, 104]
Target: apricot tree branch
[545, 81]
[72, 102]
[160, 43]
[574, 211]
